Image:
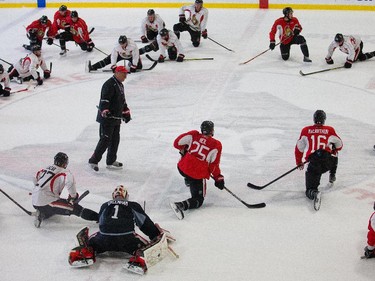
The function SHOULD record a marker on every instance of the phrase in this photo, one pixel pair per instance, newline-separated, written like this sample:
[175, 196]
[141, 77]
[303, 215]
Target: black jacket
[112, 98]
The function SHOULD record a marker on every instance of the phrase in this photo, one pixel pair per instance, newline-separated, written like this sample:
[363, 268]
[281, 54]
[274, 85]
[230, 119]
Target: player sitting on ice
[4, 77]
[117, 220]
[26, 68]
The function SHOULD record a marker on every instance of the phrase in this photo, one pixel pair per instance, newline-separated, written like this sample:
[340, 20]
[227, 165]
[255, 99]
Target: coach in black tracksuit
[112, 109]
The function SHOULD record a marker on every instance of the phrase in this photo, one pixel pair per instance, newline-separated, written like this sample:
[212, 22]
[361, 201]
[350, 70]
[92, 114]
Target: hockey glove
[106, 113]
[39, 81]
[90, 45]
[58, 36]
[47, 74]
[144, 39]
[219, 182]
[161, 58]
[369, 253]
[204, 34]
[180, 58]
[272, 45]
[133, 68]
[182, 18]
[348, 64]
[329, 60]
[49, 40]
[71, 199]
[297, 30]
[126, 117]
[6, 92]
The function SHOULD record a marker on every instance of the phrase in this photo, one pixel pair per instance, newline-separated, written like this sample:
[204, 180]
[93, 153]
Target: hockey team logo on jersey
[194, 20]
[288, 32]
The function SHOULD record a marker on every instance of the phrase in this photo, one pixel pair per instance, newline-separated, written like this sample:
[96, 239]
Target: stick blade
[256, 206]
[300, 72]
[253, 186]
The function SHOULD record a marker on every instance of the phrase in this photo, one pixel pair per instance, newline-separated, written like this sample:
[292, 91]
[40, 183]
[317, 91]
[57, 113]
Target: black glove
[329, 60]
[67, 28]
[144, 39]
[39, 81]
[182, 18]
[58, 36]
[71, 199]
[126, 117]
[106, 113]
[133, 68]
[90, 45]
[204, 34]
[272, 45]
[219, 182]
[369, 253]
[180, 58]
[49, 40]
[297, 30]
[32, 33]
[348, 64]
[47, 74]
[6, 92]
[161, 58]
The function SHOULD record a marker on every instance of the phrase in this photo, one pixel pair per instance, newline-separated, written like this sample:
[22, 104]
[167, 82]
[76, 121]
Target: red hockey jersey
[371, 232]
[202, 157]
[285, 29]
[40, 29]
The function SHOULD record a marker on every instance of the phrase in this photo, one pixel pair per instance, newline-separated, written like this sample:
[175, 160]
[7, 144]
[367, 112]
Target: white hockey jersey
[29, 65]
[351, 47]
[171, 42]
[197, 20]
[50, 182]
[131, 51]
[4, 78]
[157, 25]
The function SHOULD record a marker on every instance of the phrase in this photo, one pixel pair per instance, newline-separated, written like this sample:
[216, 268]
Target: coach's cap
[121, 69]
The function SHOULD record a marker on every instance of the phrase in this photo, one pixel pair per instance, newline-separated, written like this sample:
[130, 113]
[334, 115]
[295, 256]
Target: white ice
[258, 109]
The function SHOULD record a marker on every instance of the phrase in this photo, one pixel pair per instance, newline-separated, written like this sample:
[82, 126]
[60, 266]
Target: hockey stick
[15, 202]
[101, 51]
[83, 195]
[152, 59]
[21, 90]
[219, 44]
[6, 62]
[319, 71]
[250, 206]
[257, 187]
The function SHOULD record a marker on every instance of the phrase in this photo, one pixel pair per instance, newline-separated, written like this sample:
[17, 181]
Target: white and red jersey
[79, 31]
[351, 47]
[202, 157]
[29, 65]
[371, 232]
[285, 29]
[131, 51]
[60, 21]
[40, 29]
[4, 78]
[50, 182]
[155, 26]
[197, 20]
[316, 137]
[172, 41]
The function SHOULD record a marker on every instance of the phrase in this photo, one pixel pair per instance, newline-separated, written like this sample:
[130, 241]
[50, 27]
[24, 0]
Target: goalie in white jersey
[350, 45]
[27, 67]
[49, 184]
[193, 19]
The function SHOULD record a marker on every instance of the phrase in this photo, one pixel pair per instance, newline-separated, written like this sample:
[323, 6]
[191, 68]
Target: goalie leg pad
[81, 256]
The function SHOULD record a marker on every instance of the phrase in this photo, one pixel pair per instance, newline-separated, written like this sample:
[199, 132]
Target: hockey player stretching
[200, 159]
[320, 144]
[370, 248]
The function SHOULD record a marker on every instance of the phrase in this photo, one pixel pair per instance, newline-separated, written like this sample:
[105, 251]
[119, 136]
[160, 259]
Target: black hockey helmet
[320, 117]
[63, 8]
[43, 20]
[207, 127]
[150, 12]
[35, 48]
[287, 10]
[120, 191]
[61, 160]
[198, 1]
[339, 38]
[164, 32]
[122, 39]
[74, 14]
[1, 69]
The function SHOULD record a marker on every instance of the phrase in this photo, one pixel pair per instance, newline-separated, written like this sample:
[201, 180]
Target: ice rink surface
[258, 110]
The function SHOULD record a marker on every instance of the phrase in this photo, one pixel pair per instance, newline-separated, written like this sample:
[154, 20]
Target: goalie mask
[120, 191]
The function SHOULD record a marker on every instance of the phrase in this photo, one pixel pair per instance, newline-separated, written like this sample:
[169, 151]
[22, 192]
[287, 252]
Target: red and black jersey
[371, 231]
[79, 31]
[40, 29]
[60, 21]
[202, 157]
[285, 29]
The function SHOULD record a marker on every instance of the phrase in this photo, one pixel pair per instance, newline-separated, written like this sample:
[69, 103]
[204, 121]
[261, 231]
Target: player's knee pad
[285, 56]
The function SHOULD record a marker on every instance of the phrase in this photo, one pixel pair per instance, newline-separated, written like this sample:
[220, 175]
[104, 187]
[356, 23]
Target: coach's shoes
[115, 166]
